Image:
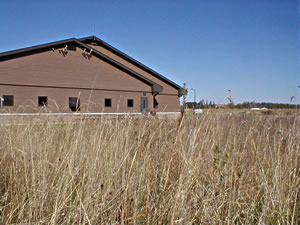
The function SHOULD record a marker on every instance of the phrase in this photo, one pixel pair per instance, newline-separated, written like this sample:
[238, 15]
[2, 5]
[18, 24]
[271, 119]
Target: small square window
[8, 100]
[129, 102]
[74, 104]
[42, 100]
[107, 102]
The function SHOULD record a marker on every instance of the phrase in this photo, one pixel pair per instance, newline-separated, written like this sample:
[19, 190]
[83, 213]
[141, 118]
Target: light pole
[194, 97]
[297, 102]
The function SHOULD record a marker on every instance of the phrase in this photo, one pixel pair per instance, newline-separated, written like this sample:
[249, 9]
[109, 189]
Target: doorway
[144, 105]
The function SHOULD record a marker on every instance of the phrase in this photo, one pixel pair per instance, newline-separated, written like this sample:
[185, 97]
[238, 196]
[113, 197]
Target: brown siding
[76, 72]
[53, 69]
[26, 99]
[168, 89]
[168, 103]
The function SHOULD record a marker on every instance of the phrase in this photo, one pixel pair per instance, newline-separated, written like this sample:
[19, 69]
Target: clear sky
[248, 46]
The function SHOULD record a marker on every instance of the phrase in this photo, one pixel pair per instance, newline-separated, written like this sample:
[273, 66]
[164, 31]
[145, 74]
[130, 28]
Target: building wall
[168, 99]
[59, 77]
[73, 70]
[168, 103]
[26, 100]
[168, 89]
[69, 76]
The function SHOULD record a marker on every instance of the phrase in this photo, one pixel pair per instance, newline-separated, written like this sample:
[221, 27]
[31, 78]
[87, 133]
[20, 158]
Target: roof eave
[20, 52]
[157, 88]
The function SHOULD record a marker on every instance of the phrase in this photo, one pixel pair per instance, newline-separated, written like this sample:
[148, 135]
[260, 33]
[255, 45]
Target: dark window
[129, 102]
[74, 104]
[107, 102]
[8, 100]
[42, 100]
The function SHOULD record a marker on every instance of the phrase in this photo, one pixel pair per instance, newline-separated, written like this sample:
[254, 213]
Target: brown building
[86, 75]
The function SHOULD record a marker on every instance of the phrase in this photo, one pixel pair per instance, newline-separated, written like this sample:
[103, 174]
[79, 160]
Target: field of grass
[204, 169]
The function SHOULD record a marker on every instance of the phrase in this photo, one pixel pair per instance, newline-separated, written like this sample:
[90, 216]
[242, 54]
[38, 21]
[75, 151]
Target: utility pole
[194, 97]
[297, 101]
[184, 95]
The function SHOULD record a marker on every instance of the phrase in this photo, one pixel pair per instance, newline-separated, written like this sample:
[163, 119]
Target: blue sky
[250, 47]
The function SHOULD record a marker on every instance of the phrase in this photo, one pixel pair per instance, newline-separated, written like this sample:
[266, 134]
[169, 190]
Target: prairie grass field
[202, 169]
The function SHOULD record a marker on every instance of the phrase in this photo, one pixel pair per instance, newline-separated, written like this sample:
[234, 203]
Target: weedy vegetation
[204, 169]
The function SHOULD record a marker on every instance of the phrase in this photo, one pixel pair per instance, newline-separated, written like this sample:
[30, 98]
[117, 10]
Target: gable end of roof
[156, 88]
[131, 60]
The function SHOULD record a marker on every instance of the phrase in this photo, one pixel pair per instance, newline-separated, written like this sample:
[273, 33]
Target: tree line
[205, 104]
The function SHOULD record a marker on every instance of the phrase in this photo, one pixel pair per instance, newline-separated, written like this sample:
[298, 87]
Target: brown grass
[212, 169]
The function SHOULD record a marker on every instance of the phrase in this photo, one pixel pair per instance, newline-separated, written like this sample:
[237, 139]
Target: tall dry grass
[209, 169]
